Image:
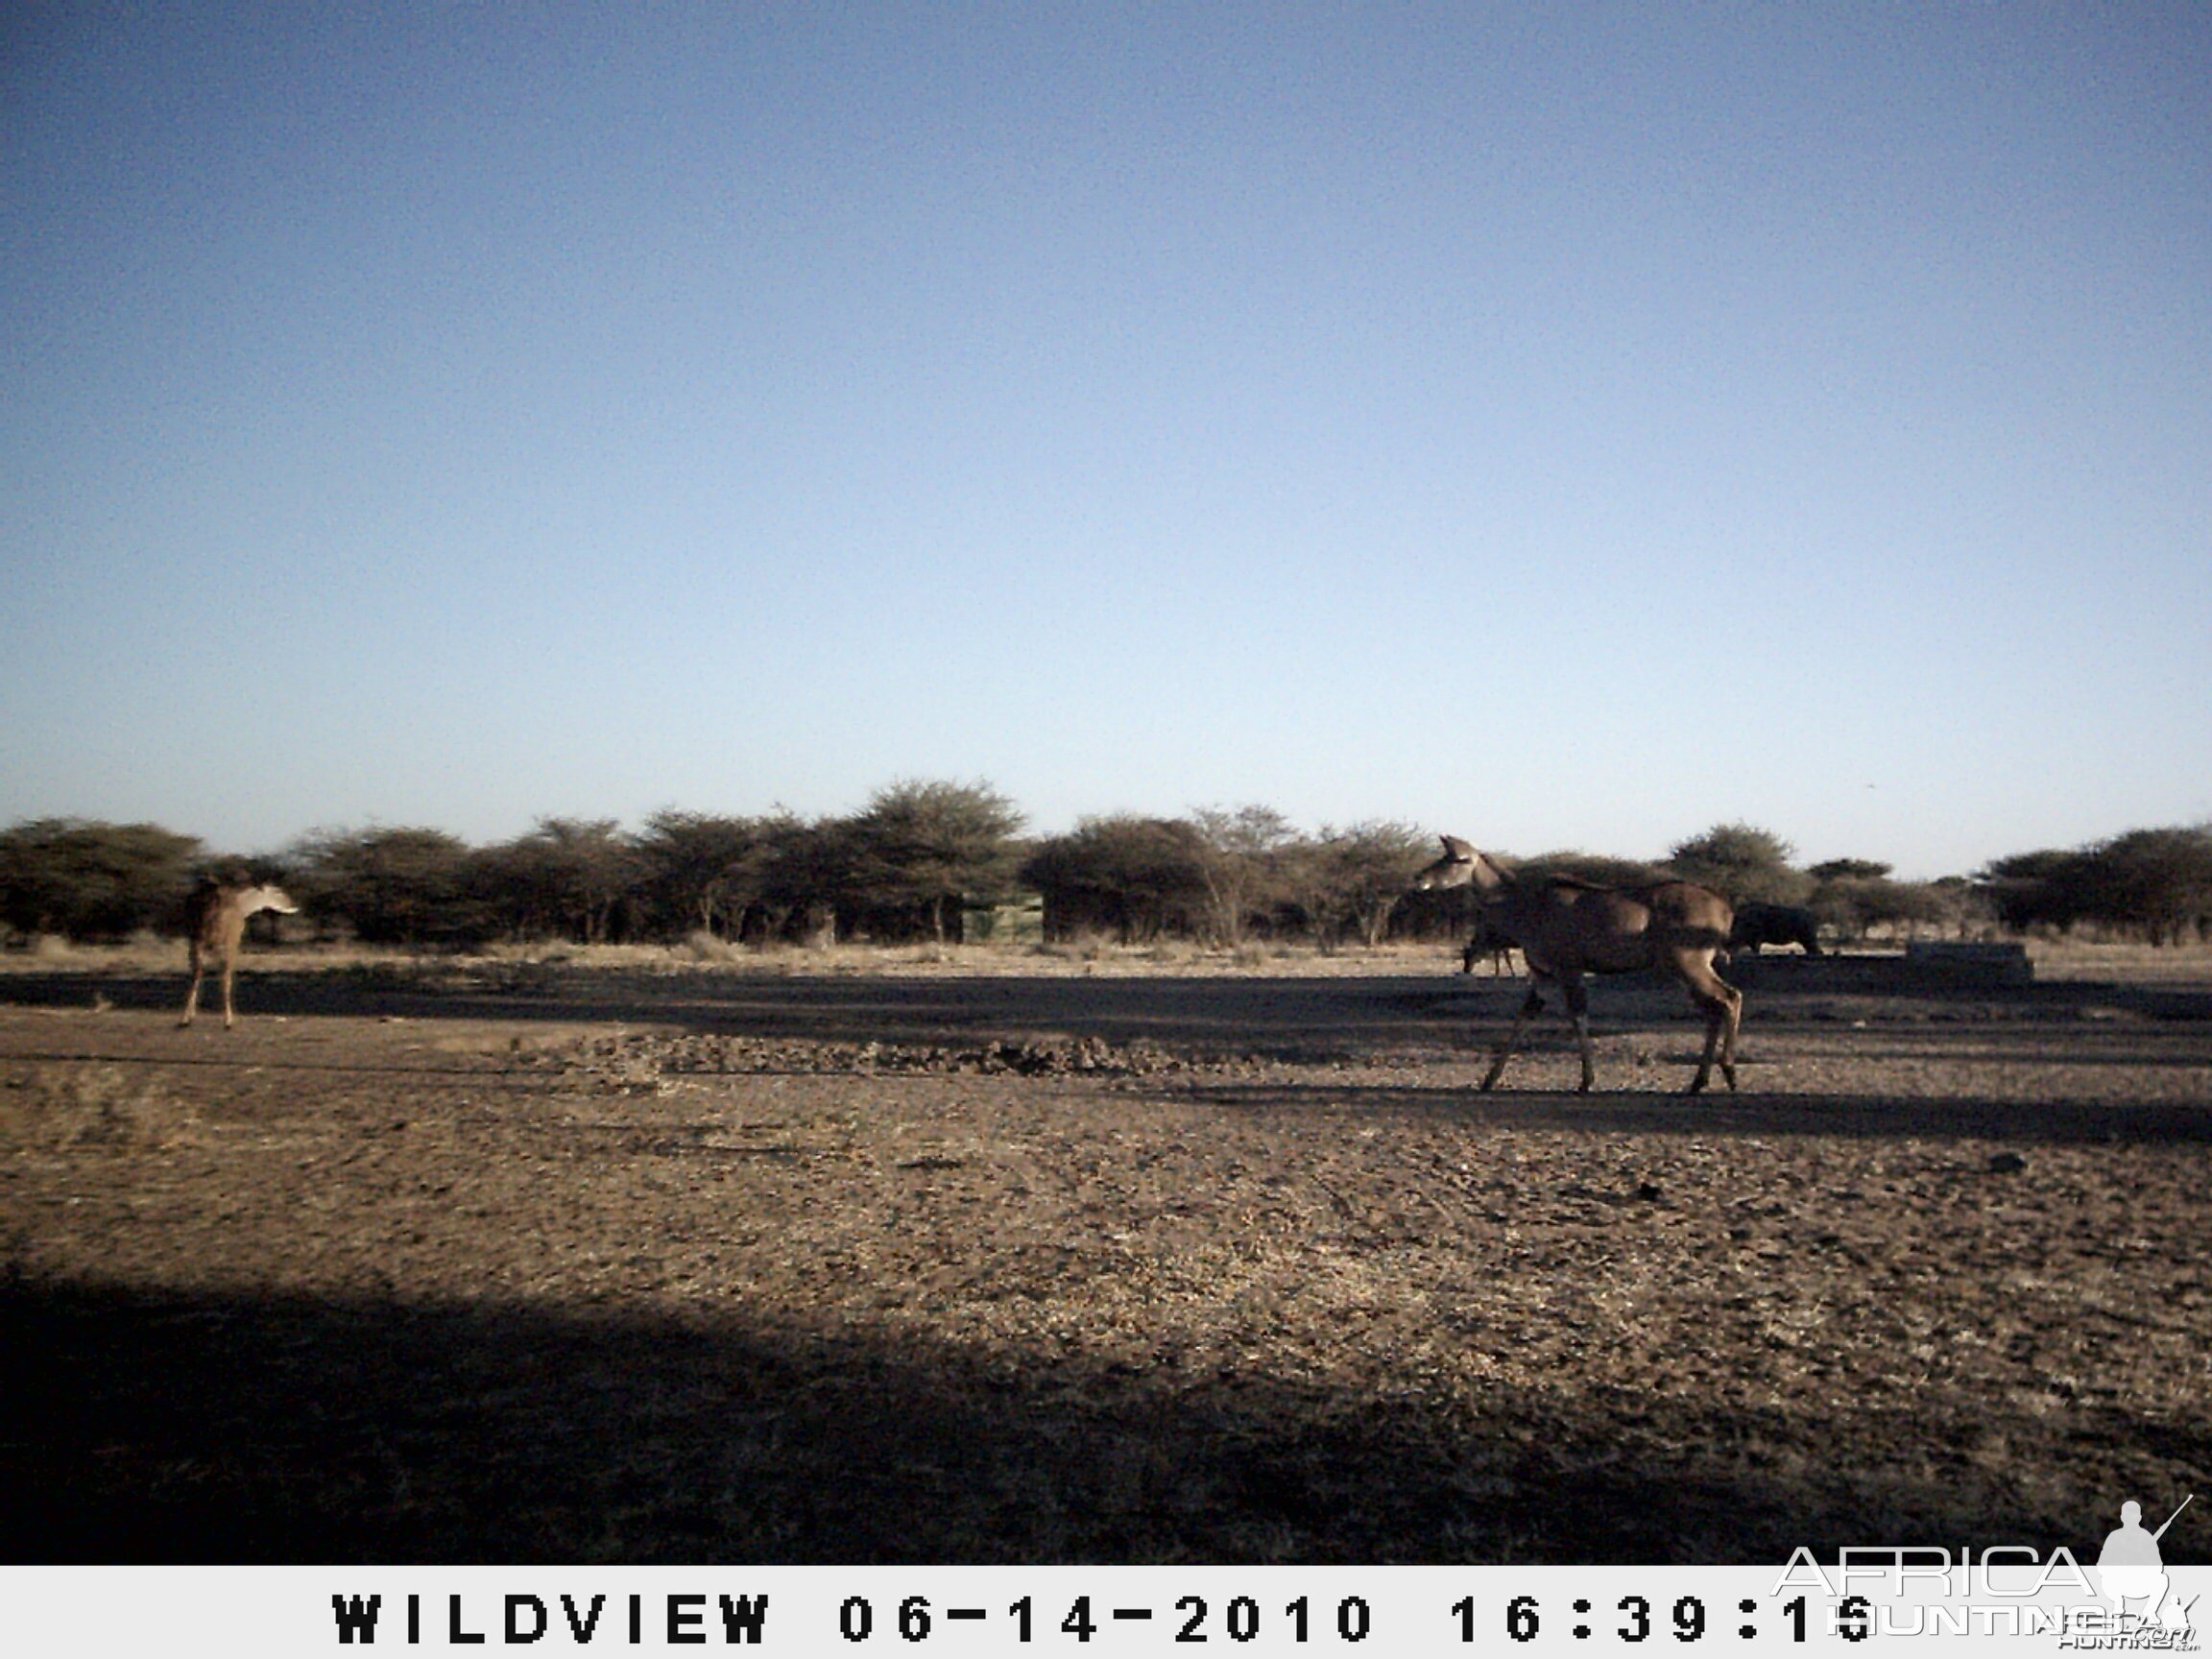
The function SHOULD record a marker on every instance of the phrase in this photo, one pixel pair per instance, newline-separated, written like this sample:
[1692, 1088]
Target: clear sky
[1557, 425]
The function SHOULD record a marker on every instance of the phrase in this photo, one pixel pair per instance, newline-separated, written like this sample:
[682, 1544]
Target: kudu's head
[267, 897]
[1460, 865]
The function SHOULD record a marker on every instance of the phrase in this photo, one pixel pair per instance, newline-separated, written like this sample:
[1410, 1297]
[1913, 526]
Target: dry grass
[63, 1106]
[2057, 960]
[701, 953]
[2126, 964]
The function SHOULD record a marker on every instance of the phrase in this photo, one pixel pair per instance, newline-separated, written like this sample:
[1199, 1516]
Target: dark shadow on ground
[1751, 1112]
[1250, 1014]
[1292, 1018]
[147, 1426]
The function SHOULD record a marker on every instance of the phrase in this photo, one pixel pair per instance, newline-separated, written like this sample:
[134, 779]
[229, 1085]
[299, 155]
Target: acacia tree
[2155, 881]
[1139, 876]
[805, 874]
[1746, 865]
[86, 879]
[1353, 878]
[1240, 861]
[1850, 895]
[394, 886]
[703, 872]
[1849, 870]
[1960, 906]
[565, 876]
[2045, 888]
[1860, 906]
[1853, 896]
[930, 848]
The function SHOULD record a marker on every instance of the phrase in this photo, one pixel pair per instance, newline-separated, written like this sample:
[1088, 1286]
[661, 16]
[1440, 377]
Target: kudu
[1567, 929]
[216, 914]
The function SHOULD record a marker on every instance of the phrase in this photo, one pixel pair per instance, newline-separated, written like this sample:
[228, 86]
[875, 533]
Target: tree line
[941, 862]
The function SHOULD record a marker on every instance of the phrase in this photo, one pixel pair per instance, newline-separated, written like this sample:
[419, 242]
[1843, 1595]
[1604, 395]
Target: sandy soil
[544, 1263]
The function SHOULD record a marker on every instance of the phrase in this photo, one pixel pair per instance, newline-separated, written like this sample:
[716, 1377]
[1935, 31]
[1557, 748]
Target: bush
[922, 852]
[409, 886]
[700, 875]
[1744, 864]
[2153, 883]
[1240, 864]
[1855, 905]
[2156, 882]
[1350, 880]
[1135, 878]
[566, 879]
[89, 879]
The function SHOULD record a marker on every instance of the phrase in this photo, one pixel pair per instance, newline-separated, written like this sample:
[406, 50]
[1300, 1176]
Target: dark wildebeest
[216, 913]
[1568, 927]
[1758, 925]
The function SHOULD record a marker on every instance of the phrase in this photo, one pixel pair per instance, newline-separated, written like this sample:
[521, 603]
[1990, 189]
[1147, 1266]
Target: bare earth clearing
[559, 1263]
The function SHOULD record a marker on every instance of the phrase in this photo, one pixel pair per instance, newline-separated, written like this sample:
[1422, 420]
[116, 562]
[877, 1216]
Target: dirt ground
[555, 1263]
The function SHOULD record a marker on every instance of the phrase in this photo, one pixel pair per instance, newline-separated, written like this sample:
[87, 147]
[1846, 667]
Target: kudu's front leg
[192, 995]
[1529, 1009]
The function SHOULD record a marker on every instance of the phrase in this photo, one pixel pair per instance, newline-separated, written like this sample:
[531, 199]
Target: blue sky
[1560, 426]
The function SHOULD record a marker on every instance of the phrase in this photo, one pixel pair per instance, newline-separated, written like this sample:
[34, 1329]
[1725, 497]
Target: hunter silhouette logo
[2130, 1569]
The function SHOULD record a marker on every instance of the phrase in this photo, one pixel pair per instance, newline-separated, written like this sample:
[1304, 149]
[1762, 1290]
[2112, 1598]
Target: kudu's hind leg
[1731, 1020]
[1578, 1013]
[1723, 1006]
[1529, 1009]
[1705, 1060]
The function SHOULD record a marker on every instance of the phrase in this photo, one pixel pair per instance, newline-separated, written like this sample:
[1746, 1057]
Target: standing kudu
[216, 913]
[1567, 928]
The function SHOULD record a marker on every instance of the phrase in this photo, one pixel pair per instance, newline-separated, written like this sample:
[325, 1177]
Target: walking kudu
[216, 914]
[1568, 927]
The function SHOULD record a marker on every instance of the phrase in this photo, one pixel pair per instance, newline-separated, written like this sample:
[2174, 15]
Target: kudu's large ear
[1457, 849]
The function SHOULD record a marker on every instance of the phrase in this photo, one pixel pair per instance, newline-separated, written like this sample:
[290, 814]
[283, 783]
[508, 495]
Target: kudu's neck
[1486, 875]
